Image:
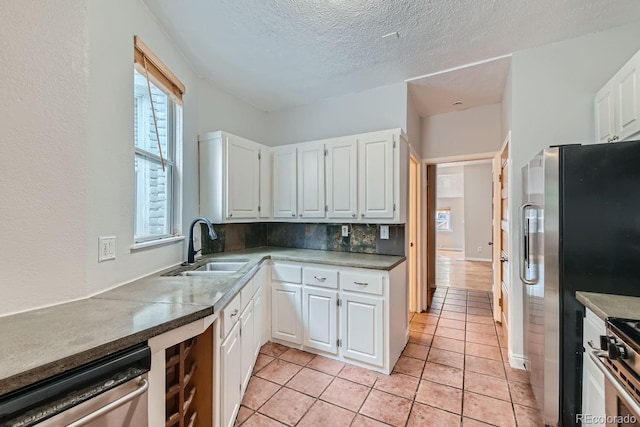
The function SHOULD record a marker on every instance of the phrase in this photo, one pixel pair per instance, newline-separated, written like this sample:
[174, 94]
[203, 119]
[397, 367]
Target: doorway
[501, 233]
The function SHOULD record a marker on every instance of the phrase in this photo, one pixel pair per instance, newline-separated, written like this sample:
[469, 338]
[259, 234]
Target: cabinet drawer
[322, 277]
[230, 315]
[286, 273]
[593, 328]
[359, 282]
[247, 293]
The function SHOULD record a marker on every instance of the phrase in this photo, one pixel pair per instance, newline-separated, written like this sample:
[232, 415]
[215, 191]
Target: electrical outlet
[345, 231]
[106, 248]
[384, 232]
[479, 249]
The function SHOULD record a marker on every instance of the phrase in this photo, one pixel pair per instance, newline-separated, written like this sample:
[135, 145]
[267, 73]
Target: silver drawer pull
[320, 279]
[361, 283]
[235, 313]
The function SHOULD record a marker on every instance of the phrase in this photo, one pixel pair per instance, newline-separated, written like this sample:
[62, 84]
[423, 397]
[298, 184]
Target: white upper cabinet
[342, 178]
[266, 172]
[284, 183]
[311, 181]
[230, 177]
[376, 175]
[617, 104]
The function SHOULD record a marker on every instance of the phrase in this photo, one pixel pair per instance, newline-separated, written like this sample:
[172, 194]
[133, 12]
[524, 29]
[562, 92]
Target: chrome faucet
[191, 254]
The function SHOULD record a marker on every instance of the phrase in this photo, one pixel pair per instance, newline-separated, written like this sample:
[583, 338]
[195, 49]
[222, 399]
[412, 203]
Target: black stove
[622, 357]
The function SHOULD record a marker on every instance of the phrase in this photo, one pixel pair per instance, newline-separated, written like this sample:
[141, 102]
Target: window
[443, 219]
[157, 137]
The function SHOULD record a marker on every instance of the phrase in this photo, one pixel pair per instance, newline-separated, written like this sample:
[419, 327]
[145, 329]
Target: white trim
[461, 158]
[516, 361]
[460, 67]
[157, 242]
[477, 259]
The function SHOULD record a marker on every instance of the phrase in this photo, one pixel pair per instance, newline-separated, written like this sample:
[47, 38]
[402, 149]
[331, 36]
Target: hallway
[453, 270]
[453, 372]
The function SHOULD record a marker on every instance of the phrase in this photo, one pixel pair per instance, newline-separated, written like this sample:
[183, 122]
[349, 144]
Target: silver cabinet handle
[353, 215]
[143, 386]
[361, 283]
[525, 245]
[362, 215]
[235, 313]
[293, 215]
[230, 215]
[300, 215]
[320, 279]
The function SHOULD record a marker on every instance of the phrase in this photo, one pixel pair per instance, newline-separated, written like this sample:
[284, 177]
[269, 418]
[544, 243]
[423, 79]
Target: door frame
[498, 165]
[418, 287]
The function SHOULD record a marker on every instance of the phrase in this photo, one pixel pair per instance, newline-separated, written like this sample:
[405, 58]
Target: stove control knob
[616, 351]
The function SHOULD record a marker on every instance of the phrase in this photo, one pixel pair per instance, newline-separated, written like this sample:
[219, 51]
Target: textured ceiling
[281, 53]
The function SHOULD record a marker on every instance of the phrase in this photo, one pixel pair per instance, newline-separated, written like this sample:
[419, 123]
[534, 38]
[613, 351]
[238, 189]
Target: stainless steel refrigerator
[580, 230]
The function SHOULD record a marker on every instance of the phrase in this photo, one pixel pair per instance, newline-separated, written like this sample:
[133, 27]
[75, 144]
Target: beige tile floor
[453, 372]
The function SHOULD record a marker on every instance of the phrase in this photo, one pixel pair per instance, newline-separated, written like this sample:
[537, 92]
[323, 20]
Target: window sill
[158, 242]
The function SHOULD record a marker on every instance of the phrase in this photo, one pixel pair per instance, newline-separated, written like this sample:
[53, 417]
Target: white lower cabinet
[355, 315]
[362, 328]
[258, 320]
[230, 387]
[286, 312]
[247, 345]
[593, 400]
[320, 319]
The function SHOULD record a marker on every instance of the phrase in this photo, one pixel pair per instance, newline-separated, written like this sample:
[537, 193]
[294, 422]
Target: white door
[320, 318]
[230, 360]
[284, 183]
[605, 111]
[266, 165]
[286, 312]
[375, 175]
[247, 345]
[362, 328]
[243, 178]
[311, 181]
[342, 178]
[628, 97]
[258, 321]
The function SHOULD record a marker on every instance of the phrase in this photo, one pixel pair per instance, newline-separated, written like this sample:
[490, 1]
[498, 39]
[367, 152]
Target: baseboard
[517, 361]
[450, 249]
[477, 259]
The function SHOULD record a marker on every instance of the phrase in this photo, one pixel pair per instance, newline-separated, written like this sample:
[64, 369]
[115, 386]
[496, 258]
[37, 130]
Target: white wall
[414, 125]
[553, 90]
[466, 132]
[66, 169]
[375, 109]
[453, 239]
[477, 211]
[43, 152]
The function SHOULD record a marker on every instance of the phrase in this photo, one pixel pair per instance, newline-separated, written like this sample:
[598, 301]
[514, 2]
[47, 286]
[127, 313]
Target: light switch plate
[384, 232]
[106, 248]
[345, 231]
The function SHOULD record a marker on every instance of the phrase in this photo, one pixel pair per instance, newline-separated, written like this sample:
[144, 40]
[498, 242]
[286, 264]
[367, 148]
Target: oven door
[622, 410]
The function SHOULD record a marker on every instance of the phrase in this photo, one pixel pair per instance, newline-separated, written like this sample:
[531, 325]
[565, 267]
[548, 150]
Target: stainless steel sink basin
[211, 268]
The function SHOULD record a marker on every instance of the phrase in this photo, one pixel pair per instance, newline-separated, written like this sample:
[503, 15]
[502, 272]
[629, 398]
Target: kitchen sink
[222, 266]
[213, 268]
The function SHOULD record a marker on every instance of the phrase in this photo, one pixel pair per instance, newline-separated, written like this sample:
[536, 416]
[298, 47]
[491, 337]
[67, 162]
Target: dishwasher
[108, 392]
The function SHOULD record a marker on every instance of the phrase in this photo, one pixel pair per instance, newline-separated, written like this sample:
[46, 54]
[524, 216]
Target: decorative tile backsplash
[363, 238]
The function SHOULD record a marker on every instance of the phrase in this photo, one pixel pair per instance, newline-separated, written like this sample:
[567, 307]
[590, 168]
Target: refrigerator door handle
[525, 258]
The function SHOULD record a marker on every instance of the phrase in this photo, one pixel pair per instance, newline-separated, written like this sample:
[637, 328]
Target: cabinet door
[375, 175]
[593, 400]
[604, 107]
[230, 385]
[311, 181]
[284, 183]
[362, 328]
[258, 321]
[247, 345]
[628, 100]
[342, 178]
[243, 178]
[320, 315]
[266, 197]
[286, 312]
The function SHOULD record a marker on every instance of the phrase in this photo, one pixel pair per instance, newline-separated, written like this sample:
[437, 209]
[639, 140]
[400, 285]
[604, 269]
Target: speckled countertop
[608, 305]
[40, 343]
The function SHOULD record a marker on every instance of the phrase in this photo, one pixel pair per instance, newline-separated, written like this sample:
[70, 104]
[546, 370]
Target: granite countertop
[40, 343]
[608, 305]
